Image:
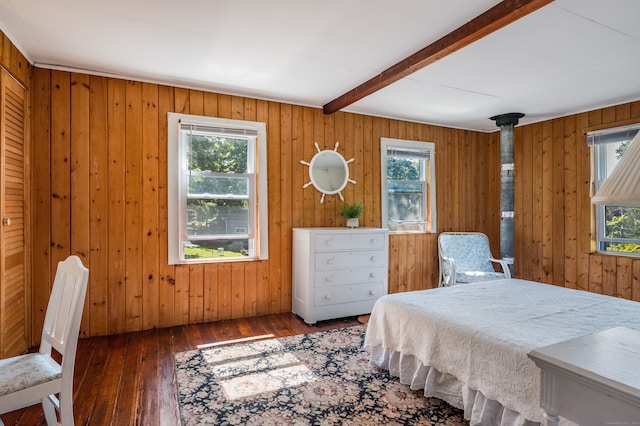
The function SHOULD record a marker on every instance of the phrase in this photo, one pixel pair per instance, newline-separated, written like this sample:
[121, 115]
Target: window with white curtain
[617, 227]
[408, 185]
[217, 189]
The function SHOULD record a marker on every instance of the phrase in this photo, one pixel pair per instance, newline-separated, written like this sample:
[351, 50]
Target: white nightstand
[593, 379]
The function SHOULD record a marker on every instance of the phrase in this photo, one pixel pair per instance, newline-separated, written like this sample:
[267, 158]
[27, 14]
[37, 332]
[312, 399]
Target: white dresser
[338, 272]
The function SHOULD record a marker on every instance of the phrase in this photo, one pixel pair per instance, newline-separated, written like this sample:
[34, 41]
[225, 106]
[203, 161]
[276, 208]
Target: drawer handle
[330, 261]
[373, 242]
[328, 297]
[372, 275]
[328, 278]
[329, 242]
[372, 258]
[372, 292]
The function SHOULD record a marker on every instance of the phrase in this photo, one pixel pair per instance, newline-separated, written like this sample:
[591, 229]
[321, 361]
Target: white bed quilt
[481, 333]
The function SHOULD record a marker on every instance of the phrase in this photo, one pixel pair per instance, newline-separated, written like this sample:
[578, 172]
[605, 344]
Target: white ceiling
[568, 57]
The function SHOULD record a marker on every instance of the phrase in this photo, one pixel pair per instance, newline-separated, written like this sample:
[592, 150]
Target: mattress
[468, 344]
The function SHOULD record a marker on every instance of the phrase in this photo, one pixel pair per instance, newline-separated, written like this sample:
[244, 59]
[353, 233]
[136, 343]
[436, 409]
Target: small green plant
[350, 211]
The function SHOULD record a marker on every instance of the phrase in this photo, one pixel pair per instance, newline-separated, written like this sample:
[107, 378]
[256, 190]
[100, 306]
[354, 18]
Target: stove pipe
[506, 122]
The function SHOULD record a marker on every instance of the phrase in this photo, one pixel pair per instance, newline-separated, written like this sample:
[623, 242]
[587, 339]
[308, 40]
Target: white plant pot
[353, 222]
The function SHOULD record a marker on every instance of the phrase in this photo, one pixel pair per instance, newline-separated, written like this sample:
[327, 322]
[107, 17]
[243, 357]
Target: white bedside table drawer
[350, 259]
[349, 276]
[347, 294]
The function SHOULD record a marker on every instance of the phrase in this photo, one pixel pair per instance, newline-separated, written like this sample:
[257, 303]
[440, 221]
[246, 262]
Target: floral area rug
[319, 378]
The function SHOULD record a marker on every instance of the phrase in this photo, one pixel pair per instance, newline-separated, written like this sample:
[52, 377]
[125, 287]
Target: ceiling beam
[492, 20]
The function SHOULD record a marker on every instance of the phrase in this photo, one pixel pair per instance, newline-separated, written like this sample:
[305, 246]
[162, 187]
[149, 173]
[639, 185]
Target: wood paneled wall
[554, 230]
[14, 62]
[99, 191]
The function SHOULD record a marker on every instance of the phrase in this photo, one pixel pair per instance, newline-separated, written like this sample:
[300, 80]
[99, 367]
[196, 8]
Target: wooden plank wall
[14, 62]
[553, 210]
[99, 190]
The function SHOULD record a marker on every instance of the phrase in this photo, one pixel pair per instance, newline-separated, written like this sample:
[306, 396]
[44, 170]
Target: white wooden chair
[465, 257]
[37, 377]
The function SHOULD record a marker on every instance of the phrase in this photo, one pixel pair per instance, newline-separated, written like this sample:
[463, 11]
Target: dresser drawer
[349, 276]
[350, 259]
[348, 294]
[360, 241]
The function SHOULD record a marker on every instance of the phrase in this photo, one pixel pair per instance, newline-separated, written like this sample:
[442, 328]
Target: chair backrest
[64, 312]
[470, 250]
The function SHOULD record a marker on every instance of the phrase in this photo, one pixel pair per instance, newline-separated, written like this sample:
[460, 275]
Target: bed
[468, 344]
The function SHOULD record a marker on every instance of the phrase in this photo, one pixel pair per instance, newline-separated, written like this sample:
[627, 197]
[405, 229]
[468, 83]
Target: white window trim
[415, 145]
[597, 141]
[173, 182]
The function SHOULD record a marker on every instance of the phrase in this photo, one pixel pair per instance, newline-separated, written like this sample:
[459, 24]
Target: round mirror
[329, 172]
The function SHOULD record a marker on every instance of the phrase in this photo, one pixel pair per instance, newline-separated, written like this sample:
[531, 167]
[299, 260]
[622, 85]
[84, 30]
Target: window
[217, 189]
[617, 228]
[408, 185]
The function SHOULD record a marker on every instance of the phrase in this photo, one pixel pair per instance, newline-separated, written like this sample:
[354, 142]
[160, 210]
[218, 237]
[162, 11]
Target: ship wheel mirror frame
[328, 172]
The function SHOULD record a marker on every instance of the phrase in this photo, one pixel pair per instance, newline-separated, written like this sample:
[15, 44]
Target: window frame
[429, 188]
[177, 194]
[598, 141]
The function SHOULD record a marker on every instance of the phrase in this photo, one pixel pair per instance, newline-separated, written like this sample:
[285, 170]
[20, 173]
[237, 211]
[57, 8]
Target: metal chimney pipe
[506, 122]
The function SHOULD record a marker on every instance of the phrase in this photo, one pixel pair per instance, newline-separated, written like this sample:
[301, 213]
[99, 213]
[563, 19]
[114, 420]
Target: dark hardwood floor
[129, 379]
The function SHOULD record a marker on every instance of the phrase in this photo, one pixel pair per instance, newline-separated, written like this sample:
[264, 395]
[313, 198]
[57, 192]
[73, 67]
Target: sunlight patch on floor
[230, 342]
[253, 364]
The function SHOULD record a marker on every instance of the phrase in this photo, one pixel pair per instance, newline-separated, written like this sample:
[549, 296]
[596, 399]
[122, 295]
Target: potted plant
[352, 212]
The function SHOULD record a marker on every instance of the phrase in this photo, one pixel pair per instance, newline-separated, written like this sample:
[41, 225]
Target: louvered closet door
[13, 294]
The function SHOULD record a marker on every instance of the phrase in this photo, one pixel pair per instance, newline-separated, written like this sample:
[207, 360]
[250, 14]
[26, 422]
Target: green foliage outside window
[218, 192]
[217, 154]
[622, 222]
[403, 169]
[406, 197]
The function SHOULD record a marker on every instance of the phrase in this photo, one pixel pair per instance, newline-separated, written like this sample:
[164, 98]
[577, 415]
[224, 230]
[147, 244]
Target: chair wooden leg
[49, 411]
[66, 408]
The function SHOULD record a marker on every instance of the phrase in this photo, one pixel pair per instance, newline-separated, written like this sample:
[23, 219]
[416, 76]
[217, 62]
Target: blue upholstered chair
[465, 257]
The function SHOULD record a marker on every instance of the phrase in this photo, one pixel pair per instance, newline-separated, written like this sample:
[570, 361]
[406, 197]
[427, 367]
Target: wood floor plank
[127, 402]
[15, 417]
[32, 417]
[91, 361]
[167, 395]
[103, 406]
[149, 382]
[129, 379]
